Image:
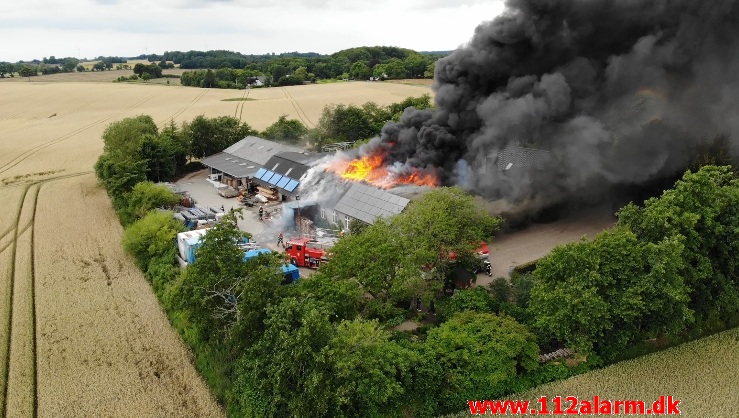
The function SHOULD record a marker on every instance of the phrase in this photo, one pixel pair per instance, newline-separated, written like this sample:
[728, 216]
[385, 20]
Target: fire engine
[307, 252]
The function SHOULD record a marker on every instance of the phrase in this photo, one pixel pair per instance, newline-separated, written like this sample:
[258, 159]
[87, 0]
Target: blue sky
[89, 28]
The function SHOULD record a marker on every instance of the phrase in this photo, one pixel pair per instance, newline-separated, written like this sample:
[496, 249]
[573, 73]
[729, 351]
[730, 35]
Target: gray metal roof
[231, 165]
[516, 157]
[281, 165]
[368, 203]
[259, 150]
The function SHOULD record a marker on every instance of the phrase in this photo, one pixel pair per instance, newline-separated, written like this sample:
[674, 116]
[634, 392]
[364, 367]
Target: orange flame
[371, 169]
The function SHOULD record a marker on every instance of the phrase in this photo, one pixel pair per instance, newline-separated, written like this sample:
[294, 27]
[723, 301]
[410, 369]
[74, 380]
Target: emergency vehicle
[307, 252]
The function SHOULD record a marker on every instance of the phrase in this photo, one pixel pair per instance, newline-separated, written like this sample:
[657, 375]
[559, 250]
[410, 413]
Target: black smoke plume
[616, 91]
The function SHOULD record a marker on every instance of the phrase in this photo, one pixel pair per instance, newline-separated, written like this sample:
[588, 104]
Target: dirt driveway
[518, 247]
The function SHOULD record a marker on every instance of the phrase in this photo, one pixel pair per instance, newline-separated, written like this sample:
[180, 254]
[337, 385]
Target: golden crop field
[81, 333]
[702, 374]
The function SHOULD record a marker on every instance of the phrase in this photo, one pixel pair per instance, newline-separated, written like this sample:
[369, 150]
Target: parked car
[228, 192]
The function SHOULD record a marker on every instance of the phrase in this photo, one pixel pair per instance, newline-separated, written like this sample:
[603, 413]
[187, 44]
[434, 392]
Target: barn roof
[368, 203]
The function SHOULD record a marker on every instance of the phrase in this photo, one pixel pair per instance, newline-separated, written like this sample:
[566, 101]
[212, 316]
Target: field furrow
[109, 347]
[21, 385]
[20, 354]
[6, 271]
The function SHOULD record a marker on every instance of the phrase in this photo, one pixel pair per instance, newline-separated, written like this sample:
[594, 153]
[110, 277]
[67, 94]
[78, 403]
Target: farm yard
[81, 333]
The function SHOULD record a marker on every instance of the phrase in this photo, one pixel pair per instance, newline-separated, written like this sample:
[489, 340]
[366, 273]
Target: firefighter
[280, 240]
[261, 212]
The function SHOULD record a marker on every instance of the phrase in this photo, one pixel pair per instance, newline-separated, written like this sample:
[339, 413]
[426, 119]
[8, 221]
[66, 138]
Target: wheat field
[81, 333]
[702, 374]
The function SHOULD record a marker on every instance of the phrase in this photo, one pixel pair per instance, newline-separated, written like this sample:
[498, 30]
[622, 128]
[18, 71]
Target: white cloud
[42, 28]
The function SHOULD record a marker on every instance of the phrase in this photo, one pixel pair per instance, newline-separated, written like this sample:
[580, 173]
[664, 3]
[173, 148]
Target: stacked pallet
[305, 226]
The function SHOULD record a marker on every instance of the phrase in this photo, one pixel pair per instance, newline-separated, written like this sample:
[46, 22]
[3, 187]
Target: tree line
[323, 66]
[223, 69]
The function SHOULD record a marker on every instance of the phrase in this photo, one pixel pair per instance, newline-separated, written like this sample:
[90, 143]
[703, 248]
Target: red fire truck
[307, 252]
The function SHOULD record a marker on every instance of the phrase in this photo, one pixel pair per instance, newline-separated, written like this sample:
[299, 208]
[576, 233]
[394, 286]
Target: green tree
[159, 155]
[209, 79]
[422, 102]
[703, 207]
[415, 65]
[443, 221]
[476, 299]
[70, 64]
[208, 282]
[395, 69]
[175, 138]
[144, 197]
[379, 71]
[125, 137]
[360, 70]
[283, 373]
[369, 372]
[291, 130]
[344, 298]
[5, 68]
[377, 115]
[119, 174]
[80, 68]
[210, 136]
[608, 294]
[342, 123]
[27, 71]
[379, 259]
[151, 238]
[474, 356]
[279, 71]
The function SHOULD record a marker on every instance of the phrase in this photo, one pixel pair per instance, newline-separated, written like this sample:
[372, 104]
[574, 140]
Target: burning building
[609, 92]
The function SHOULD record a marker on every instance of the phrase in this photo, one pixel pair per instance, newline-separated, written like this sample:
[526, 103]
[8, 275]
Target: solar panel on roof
[291, 185]
[276, 178]
[283, 182]
[260, 173]
[267, 175]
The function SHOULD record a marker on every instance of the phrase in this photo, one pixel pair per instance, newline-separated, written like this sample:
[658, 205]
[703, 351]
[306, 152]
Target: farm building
[360, 201]
[366, 203]
[237, 164]
[280, 176]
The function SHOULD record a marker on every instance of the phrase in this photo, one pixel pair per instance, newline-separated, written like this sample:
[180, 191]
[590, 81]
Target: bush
[384, 311]
[152, 238]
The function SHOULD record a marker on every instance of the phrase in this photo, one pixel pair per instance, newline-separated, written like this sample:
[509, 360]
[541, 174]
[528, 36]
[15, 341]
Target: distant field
[702, 374]
[81, 333]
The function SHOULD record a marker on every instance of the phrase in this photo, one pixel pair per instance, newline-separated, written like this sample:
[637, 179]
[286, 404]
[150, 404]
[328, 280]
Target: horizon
[45, 28]
[276, 54]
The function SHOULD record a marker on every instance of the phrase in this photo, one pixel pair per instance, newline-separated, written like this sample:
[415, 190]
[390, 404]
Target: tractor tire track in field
[244, 97]
[27, 153]
[18, 348]
[184, 108]
[299, 110]
[58, 116]
[26, 109]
